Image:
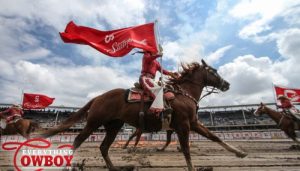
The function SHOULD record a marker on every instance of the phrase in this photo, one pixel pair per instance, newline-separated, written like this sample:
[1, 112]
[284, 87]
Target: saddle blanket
[135, 95]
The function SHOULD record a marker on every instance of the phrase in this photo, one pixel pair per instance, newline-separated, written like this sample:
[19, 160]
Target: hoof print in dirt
[294, 147]
[205, 169]
[127, 168]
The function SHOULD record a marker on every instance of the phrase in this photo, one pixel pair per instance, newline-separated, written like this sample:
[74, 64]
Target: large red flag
[292, 93]
[36, 101]
[114, 43]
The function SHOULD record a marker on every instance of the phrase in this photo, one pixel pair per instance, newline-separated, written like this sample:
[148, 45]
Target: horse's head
[260, 110]
[201, 75]
[212, 78]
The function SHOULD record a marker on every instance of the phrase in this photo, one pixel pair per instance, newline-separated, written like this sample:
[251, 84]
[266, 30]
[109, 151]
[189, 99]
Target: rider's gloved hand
[174, 75]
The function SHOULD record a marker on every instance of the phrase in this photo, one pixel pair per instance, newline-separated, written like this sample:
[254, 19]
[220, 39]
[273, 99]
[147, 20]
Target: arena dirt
[262, 156]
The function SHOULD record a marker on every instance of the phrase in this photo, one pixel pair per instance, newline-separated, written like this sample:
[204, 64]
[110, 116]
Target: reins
[280, 121]
[208, 92]
[183, 92]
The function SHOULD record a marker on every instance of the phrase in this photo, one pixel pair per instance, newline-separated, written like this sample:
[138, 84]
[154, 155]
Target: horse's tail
[69, 122]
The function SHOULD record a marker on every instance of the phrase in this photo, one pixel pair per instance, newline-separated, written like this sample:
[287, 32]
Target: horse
[284, 122]
[21, 126]
[112, 110]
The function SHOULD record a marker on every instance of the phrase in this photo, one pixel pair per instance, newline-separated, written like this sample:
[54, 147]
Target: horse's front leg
[138, 137]
[200, 129]
[183, 136]
[290, 132]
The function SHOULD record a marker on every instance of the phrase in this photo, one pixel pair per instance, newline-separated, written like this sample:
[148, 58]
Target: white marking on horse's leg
[230, 148]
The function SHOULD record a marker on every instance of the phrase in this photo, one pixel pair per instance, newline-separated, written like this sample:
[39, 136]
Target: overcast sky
[253, 44]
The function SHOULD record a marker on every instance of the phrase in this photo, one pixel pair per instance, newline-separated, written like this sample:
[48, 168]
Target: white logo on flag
[36, 99]
[292, 95]
[109, 38]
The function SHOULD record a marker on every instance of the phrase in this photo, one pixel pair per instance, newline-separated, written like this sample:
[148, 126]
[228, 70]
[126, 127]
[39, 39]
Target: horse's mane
[272, 110]
[187, 69]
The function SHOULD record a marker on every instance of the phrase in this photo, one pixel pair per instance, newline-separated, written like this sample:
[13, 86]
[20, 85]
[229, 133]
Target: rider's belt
[148, 75]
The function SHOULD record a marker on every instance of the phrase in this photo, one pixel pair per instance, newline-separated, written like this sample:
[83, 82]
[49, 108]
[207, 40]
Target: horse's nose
[225, 86]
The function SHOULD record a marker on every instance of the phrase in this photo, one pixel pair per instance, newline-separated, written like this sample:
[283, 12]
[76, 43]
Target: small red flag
[36, 101]
[292, 93]
[114, 43]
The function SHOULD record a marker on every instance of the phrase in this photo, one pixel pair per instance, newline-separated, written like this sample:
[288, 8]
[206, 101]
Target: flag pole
[156, 30]
[22, 96]
[274, 95]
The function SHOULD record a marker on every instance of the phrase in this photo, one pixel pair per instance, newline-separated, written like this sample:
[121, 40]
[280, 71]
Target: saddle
[137, 95]
[14, 120]
[134, 95]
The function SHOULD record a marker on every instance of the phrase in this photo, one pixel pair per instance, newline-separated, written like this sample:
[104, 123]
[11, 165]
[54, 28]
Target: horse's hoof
[114, 169]
[123, 168]
[160, 149]
[179, 149]
[205, 169]
[295, 147]
[241, 155]
[131, 150]
[134, 149]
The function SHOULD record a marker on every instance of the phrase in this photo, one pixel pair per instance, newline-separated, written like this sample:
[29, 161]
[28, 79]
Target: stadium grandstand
[216, 118]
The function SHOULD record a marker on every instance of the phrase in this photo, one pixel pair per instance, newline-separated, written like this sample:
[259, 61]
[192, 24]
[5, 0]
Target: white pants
[155, 91]
[2, 123]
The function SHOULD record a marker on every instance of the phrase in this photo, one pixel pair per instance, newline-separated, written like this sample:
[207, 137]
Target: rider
[287, 106]
[147, 79]
[15, 111]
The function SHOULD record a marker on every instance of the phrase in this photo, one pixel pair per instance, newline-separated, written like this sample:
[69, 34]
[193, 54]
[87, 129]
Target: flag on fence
[292, 93]
[114, 43]
[36, 101]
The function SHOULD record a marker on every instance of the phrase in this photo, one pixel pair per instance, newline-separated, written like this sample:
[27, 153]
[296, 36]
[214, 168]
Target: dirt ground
[262, 156]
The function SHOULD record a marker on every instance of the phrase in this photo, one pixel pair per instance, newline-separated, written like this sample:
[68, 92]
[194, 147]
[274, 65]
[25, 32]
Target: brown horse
[23, 127]
[284, 122]
[111, 110]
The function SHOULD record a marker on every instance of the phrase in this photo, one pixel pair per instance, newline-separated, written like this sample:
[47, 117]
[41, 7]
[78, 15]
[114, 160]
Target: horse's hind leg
[169, 134]
[200, 129]
[137, 132]
[138, 137]
[84, 134]
[112, 129]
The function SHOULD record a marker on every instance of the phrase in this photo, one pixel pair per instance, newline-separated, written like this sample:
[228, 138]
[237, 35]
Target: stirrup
[168, 110]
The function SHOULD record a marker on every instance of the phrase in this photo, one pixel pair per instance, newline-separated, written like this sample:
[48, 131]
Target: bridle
[213, 89]
[209, 89]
